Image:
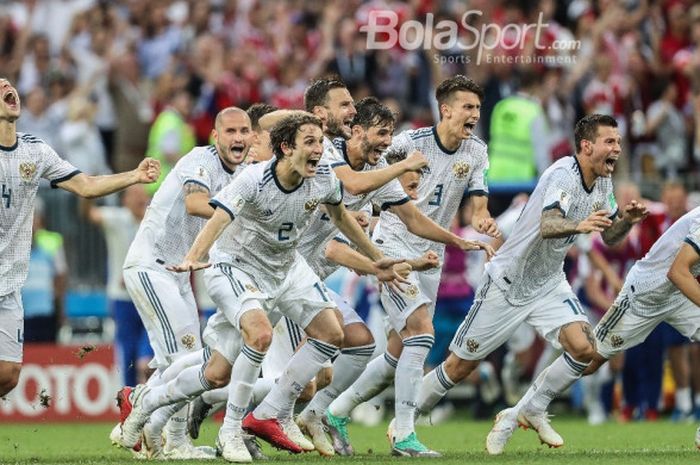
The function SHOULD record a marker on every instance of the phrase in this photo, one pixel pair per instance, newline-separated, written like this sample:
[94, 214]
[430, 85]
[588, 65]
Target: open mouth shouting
[312, 164]
[469, 127]
[610, 163]
[238, 152]
[11, 100]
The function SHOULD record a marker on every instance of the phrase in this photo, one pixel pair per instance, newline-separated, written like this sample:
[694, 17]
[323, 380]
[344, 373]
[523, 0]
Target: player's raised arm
[631, 214]
[420, 225]
[205, 239]
[341, 253]
[96, 186]
[363, 182]
[680, 273]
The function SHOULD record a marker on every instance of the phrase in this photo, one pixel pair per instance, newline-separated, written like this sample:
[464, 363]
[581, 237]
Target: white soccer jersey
[21, 168]
[167, 231]
[321, 229]
[651, 289]
[268, 220]
[527, 266]
[444, 182]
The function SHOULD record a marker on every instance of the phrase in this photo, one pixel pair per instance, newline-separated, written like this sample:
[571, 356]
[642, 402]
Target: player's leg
[358, 347]
[376, 377]
[11, 341]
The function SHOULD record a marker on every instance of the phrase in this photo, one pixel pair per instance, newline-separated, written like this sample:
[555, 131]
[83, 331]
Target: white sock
[433, 388]
[302, 367]
[176, 429]
[244, 373]
[346, 369]
[684, 401]
[155, 378]
[160, 417]
[377, 376]
[188, 384]
[554, 380]
[409, 374]
[215, 396]
[262, 388]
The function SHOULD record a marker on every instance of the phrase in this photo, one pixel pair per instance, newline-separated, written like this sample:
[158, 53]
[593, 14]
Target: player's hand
[387, 274]
[361, 218]
[634, 212]
[597, 222]
[488, 226]
[148, 171]
[477, 245]
[188, 265]
[415, 161]
[427, 261]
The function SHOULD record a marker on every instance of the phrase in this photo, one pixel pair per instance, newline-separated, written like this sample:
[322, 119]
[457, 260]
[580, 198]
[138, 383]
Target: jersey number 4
[6, 195]
[437, 196]
[284, 229]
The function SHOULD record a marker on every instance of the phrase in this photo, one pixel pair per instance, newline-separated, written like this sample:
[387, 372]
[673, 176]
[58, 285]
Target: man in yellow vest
[171, 136]
[519, 144]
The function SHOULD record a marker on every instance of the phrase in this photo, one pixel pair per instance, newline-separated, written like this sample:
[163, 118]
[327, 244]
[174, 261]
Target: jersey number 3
[6, 195]
[284, 229]
[437, 196]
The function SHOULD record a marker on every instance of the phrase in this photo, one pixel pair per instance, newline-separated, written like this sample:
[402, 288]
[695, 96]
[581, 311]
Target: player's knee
[583, 352]
[261, 340]
[9, 377]
[334, 336]
[217, 378]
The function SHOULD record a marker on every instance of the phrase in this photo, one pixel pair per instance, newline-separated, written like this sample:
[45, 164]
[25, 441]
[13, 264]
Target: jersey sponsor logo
[27, 170]
[188, 341]
[311, 205]
[472, 345]
[460, 169]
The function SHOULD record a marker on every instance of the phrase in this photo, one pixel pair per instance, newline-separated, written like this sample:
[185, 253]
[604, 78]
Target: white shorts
[11, 327]
[168, 310]
[287, 336]
[492, 320]
[622, 327]
[522, 339]
[301, 296]
[220, 335]
[422, 290]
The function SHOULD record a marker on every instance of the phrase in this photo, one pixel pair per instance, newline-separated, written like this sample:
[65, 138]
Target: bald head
[223, 114]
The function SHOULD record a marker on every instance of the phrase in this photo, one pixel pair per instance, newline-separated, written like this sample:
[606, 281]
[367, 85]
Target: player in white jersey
[258, 269]
[24, 162]
[164, 299]
[525, 282]
[660, 287]
[457, 162]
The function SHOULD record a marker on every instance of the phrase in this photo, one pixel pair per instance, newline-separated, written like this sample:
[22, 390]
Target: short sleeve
[391, 193]
[558, 191]
[197, 173]
[693, 237]
[333, 152]
[401, 145]
[55, 168]
[334, 194]
[477, 181]
[237, 196]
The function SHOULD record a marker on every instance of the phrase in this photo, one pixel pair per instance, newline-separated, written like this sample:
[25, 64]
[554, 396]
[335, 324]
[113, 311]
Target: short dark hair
[257, 111]
[316, 94]
[587, 127]
[285, 131]
[372, 112]
[394, 155]
[447, 88]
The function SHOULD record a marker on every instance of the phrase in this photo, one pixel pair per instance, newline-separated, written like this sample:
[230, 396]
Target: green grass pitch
[462, 442]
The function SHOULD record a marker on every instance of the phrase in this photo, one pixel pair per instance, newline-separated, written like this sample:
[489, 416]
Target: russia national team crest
[250, 288]
[411, 291]
[597, 206]
[27, 170]
[616, 341]
[472, 345]
[311, 205]
[188, 341]
[460, 169]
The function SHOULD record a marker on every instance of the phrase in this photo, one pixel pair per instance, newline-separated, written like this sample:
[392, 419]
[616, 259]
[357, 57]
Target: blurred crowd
[106, 82]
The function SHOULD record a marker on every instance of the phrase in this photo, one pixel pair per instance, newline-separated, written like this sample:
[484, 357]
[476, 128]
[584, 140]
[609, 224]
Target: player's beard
[334, 128]
[368, 151]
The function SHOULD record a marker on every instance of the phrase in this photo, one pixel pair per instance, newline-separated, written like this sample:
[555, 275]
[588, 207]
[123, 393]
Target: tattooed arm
[633, 213]
[553, 224]
[197, 200]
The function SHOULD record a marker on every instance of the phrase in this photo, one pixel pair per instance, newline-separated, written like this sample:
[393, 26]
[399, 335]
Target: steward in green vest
[171, 136]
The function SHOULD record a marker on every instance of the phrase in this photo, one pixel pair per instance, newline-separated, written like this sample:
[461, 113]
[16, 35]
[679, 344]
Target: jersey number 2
[437, 196]
[284, 229]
